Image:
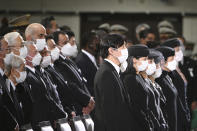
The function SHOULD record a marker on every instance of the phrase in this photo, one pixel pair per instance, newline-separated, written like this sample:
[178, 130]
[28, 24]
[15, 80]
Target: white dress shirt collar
[1, 71]
[8, 82]
[114, 65]
[52, 65]
[14, 87]
[31, 68]
[63, 57]
[91, 57]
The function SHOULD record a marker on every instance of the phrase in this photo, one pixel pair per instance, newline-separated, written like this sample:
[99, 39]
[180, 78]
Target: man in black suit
[7, 120]
[86, 60]
[112, 108]
[8, 108]
[44, 108]
[72, 74]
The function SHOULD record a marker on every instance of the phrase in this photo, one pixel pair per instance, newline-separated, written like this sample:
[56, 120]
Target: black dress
[183, 113]
[171, 94]
[160, 100]
[139, 100]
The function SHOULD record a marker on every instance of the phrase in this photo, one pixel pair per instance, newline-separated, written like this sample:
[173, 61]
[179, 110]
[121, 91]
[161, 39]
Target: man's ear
[13, 71]
[28, 38]
[110, 50]
[134, 60]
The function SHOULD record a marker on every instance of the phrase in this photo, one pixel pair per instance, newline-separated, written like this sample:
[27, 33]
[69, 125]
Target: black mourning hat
[166, 51]
[171, 43]
[138, 50]
[156, 55]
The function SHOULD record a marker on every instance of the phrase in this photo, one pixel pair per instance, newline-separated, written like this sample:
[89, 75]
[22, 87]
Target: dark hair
[56, 36]
[46, 22]
[65, 28]
[49, 37]
[153, 44]
[110, 40]
[70, 33]
[87, 39]
[143, 34]
[130, 69]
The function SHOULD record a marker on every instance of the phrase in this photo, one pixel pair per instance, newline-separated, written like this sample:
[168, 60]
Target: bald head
[35, 31]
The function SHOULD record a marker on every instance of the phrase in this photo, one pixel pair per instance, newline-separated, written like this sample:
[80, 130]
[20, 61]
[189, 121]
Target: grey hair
[17, 61]
[28, 43]
[11, 37]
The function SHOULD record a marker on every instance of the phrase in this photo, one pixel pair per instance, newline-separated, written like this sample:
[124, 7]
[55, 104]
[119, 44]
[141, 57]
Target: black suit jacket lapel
[89, 61]
[4, 86]
[121, 86]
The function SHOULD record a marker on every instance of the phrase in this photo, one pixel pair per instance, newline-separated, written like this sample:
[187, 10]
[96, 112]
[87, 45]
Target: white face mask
[70, 51]
[23, 52]
[7, 59]
[55, 53]
[124, 56]
[179, 56]
[143, 66]
[172, 65]
[40, 44]
[123, 66]
[36, 59]
[22, 77]
[46, 61]
[151, 69]
[157, 73]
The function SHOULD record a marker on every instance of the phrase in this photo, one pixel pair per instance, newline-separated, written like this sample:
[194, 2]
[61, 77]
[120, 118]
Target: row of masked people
[39, 84]
[140, 89]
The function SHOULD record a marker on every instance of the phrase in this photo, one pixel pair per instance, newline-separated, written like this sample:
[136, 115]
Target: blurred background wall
[84, 15]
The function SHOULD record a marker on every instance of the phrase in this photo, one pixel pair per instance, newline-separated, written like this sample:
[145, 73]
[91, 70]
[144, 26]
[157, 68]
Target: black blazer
[11, 102]
[25, 97]
[43, 106]
[88, 70]
[7, 120]
[71, 74]
[189, 69]
[112, 109]
[56, 106]
[171, 94]
[65, 92]
[19, 112]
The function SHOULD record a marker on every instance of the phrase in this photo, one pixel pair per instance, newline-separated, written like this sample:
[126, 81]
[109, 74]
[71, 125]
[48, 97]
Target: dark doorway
[91, 21]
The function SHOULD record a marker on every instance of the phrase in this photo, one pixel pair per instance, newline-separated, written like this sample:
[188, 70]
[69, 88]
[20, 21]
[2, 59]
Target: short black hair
[110, 40]
[144, 33]
[70, 33]
[49, 37]
[153, 44]
[65, 28]
[56, 36]
[87, 39]
[46, 22]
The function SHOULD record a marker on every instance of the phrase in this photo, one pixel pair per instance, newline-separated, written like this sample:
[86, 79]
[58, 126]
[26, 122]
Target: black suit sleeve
[7, 120]
[80, 95]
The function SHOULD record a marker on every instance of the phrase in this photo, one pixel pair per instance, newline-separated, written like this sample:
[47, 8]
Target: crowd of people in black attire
[105, 83]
